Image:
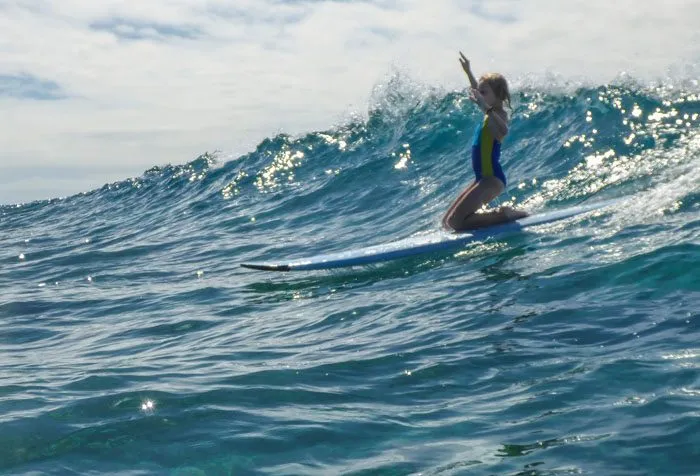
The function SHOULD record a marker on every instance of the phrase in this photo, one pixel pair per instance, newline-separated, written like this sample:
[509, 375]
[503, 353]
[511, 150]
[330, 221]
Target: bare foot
[512, 214]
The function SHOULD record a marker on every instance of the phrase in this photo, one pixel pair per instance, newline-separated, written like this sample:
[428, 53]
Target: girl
[489, 94]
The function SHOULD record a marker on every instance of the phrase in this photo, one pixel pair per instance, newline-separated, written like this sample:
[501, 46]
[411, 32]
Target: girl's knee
[449, 222]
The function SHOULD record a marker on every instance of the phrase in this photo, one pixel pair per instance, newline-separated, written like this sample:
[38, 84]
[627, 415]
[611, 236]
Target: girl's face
[487, 93]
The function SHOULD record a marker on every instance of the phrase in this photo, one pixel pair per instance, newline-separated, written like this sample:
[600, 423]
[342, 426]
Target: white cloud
[154, 82]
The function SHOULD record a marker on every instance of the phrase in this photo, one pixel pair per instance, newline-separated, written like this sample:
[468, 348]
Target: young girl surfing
[489, 94]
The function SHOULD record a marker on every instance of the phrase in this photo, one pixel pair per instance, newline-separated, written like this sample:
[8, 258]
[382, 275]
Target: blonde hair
[499, 85]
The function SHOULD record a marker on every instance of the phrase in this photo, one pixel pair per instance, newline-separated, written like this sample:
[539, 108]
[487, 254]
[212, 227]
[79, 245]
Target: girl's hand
[465, 63]
[476, 97]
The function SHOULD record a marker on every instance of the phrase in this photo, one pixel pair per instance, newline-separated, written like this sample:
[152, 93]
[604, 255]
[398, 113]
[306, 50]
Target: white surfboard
[427, 243]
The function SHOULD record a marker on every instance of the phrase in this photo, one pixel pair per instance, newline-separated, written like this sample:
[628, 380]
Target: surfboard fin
[266, 267]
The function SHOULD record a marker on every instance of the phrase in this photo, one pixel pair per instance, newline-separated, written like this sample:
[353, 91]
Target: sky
[94, 92]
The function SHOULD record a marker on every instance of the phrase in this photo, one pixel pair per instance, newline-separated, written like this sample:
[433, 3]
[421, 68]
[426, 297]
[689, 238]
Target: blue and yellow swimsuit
[486, 152]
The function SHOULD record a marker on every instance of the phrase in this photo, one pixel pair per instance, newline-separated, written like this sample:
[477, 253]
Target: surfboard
[441, 240]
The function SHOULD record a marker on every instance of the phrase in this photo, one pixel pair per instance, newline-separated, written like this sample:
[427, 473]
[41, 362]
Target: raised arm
[467, 69]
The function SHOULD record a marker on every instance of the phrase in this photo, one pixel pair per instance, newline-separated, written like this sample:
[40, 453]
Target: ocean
[132, 342]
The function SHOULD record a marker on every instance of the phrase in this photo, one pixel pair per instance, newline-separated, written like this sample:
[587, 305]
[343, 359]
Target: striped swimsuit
[486, 152]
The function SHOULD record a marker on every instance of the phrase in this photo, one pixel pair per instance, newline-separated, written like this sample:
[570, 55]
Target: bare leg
[481, 193]
[496, 217]
[456, 202]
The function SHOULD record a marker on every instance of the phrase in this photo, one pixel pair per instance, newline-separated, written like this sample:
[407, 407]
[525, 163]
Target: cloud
[139, 30]
[147, 83]
[25, 86]
[494, 11]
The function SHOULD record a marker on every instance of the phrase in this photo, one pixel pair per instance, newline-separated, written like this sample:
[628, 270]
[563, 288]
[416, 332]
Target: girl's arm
[467, 69]
[498, 125]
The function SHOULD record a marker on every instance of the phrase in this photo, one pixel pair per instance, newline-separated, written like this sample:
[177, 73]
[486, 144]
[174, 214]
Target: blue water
[132, 342]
